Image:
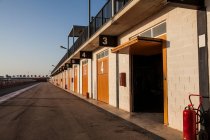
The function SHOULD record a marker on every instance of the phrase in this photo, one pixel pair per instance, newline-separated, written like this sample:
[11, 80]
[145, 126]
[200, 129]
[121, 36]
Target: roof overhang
[140, 45]
[133, 13]
[76, 31]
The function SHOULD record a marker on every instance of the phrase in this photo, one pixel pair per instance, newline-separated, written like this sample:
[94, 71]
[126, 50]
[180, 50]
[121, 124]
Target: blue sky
[31, 32]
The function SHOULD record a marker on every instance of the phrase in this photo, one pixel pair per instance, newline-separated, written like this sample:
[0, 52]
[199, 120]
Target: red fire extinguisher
[191, 120]
[189, 123]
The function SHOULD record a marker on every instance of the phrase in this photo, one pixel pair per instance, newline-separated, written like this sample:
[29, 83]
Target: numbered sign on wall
[188, 3]
[74, 61]
[107, 41]
[68, 65]
[86, 54]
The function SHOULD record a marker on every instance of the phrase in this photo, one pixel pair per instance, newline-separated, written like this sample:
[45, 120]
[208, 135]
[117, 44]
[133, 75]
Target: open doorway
[148, 76]
[148, 83]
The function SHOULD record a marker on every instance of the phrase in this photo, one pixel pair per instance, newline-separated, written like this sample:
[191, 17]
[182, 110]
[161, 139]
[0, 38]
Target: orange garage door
[84, 77]
[102, 77]
[69, 79]
[75, 78]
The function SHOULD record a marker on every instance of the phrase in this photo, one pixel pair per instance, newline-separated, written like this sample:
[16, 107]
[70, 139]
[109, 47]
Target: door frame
[165, 82]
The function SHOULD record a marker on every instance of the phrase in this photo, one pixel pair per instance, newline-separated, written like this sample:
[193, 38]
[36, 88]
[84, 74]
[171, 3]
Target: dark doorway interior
[148, 83]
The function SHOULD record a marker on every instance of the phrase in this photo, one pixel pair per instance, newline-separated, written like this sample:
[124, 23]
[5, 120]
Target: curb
[13, 94]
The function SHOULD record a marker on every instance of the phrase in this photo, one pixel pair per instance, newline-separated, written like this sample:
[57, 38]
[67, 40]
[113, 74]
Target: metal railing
[103, 16]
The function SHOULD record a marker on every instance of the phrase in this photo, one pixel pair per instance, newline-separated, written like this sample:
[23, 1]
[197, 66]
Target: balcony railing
[96, 23]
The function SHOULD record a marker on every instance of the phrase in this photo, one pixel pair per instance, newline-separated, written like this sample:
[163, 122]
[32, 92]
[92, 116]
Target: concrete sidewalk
[143, 120]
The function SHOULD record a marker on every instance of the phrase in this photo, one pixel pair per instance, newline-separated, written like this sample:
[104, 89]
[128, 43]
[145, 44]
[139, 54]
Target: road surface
[46, 112]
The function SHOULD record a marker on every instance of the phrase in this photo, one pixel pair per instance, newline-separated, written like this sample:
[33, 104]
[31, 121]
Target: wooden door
[75, 78]
[69, 79]
[84, 79]
[102, 80]
[165, 83]
[64, 80]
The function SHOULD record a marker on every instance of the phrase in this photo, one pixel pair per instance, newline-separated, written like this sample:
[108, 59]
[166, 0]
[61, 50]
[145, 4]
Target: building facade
[157, 57]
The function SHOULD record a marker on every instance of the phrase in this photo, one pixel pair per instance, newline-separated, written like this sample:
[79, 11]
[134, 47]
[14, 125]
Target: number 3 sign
[107, 41]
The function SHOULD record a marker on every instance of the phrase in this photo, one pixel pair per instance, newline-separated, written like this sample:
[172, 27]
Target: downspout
[203, 55]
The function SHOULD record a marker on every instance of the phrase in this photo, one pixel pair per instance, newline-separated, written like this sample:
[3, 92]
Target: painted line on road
[13, 94]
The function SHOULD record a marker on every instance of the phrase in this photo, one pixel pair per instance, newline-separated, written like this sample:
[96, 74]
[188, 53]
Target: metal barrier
[8, 83]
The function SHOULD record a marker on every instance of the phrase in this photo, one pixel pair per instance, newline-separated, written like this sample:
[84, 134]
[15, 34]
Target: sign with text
[68, 65]
[195, 3]
[63, 68]
[107, 41]
[86, 54]
[74, 61]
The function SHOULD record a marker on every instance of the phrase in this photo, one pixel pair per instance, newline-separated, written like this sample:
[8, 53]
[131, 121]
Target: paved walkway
[46, 112]
[147, 121]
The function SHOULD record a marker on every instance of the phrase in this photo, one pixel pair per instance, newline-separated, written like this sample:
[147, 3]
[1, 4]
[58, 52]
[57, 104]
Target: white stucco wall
[112, 78]
[90, 78]
[72, 76]
[94, 75]
[124, 92]
[182, 62]
[68, 80]
[78, 79]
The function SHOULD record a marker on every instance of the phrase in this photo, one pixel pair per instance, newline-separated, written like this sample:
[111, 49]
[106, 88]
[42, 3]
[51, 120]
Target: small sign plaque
[107, 41]
[68, 65]
[74, 61]
[195, 3]
[86, 54]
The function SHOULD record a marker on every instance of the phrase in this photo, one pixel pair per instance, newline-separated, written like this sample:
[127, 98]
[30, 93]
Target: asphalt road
[46, 112]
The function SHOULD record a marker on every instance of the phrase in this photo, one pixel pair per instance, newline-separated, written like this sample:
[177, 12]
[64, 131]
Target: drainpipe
[113, 7]
[203, 55]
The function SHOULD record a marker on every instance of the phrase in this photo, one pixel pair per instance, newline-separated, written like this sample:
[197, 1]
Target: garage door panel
[103, 88]
[102, 66]
[84, 79]
[69, 80]
[75, 79]
[102, 80]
